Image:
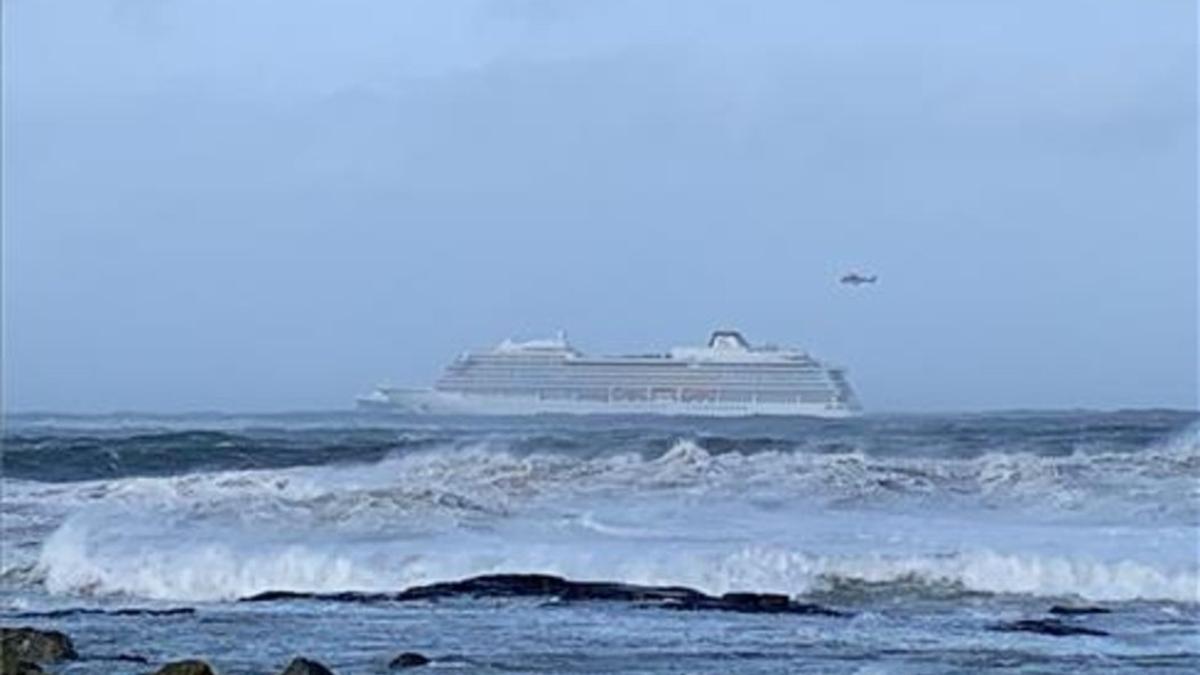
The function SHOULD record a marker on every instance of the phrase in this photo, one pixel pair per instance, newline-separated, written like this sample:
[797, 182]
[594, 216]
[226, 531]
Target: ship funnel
[727, 339]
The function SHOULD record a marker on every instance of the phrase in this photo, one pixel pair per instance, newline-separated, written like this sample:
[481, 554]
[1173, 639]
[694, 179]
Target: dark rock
[35, 646]
[673, 597]
[122, 657]
[753, 603]
[346, 596]
[1076, 610]
[11, 665]
[188, 667]
[545, 585]
[129, 611]
[138, 611]
[496, 586]
[409, 660]
[757, 602]
[274, 596]
[769, 603]
[1054, 627]
[302, 666]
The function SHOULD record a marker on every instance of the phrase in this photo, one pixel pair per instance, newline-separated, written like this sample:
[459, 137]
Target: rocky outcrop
[35, 646]
[409, 660]
[1077, 610]
[188, 667]
[127, 611]
[755, 603]
[565, 590]
[1055, 627]
[303, 666]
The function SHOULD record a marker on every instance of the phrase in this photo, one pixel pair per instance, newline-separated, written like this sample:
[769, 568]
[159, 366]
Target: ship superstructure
[725, 377]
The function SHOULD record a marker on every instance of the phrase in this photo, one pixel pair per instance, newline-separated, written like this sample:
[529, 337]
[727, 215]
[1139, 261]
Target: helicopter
[856, 279]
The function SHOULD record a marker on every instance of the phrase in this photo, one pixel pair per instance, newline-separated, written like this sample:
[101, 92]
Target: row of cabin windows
[666, 379]
[635, 370]
[624, 387]
[661, 394]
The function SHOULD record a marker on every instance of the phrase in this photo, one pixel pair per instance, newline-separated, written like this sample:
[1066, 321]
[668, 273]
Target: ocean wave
[61, 456]
[1099, 525]
[90, 448]
[477, 486]
[80, 559]
[486, 478]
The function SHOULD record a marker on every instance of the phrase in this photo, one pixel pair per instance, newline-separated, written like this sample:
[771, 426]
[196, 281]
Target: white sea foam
[84, 557]
[1100, 526]
[487, 479]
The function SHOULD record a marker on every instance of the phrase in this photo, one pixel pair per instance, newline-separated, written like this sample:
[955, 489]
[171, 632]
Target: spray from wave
[211, 566]
[488, 477]
[1102, 526]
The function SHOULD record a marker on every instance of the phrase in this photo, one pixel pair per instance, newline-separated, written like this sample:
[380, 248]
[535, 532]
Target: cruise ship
[727, 377]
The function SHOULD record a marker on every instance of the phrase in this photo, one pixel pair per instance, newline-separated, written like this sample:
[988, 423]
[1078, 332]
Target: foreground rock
[1078, 610]
[1055, 627]
[188, 667]
[35, 646]
[565, 590]
[12, 666]
[302, 666]
[409, 660]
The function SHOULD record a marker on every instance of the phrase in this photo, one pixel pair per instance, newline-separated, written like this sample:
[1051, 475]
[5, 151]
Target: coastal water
[137, 535]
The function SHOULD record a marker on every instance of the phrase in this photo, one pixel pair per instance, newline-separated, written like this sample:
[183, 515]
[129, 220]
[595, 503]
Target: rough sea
[945, 543]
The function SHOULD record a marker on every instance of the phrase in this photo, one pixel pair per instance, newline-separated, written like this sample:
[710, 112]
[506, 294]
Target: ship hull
[434, 402]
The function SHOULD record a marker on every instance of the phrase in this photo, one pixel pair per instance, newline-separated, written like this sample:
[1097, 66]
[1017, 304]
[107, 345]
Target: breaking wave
[215, 568]
[485, 478]
[1101, 525]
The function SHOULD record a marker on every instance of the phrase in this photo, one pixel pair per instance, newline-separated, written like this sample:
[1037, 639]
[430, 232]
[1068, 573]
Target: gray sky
[262, 206]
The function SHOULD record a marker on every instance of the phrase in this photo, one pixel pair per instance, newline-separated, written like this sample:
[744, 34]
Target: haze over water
[227, 206]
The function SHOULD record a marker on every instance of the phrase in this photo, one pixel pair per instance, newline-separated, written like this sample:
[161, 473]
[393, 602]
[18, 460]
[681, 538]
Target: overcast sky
[275, 205]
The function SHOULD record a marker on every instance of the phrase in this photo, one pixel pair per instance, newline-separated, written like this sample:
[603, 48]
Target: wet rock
[10, 665]
[752, 603]
[303, 666]
[188, 667]
[122, 657]
[565, 590]
[671, 597]
[35, 646]
[347, 596]
[128, 611]
[763, 603]
[277, 596]
[1077, 610]
[1055, 627]
[536, 585]
[757, 602]
[409, 660]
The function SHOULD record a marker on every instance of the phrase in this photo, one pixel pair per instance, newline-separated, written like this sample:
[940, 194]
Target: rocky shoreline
[24, 650]
[565, 590]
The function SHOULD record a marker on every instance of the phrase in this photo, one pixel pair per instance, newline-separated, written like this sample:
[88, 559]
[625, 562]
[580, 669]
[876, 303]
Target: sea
[1028, 542]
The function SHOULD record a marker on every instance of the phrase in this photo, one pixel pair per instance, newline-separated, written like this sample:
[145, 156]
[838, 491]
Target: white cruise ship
[727, 377]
